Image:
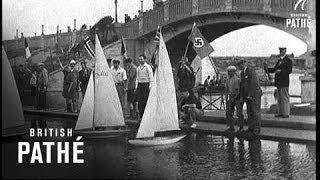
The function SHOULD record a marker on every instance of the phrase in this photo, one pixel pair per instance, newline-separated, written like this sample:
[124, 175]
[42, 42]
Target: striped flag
[28, 54]
[87, 46]
[123, 49]
[157, 38]
[154, 55]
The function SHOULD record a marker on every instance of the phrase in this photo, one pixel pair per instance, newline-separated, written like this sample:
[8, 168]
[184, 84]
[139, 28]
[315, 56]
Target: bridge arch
[213, 27]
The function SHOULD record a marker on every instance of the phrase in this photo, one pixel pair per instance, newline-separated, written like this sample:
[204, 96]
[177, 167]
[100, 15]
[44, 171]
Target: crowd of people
[131, 81]
[239, 89]
[134, 82]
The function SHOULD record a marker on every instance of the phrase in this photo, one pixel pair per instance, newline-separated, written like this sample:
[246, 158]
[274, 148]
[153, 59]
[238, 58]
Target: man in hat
[72, 86]
[131, 70]
[42, 86]
[282, 70]
[120, 80]
[190, 109]
[250, 93]
[84, 76]
[233, 99]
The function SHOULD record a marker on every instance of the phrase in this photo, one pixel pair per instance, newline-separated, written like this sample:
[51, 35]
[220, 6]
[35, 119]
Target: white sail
[12, 114]
[161, 113]
[107, 107]
[85, 119]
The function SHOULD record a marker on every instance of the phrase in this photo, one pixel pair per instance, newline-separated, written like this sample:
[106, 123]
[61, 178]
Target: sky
[28, 15]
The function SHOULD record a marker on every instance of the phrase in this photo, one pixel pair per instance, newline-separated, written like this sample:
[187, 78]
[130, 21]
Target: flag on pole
[157, 38]
[88, 46]
[28, 54]
[123, 48]
[200, 44]
[154, 55]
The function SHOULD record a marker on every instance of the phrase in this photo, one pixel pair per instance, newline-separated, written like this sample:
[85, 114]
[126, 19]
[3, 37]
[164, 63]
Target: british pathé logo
[301, 3]
[297, 19]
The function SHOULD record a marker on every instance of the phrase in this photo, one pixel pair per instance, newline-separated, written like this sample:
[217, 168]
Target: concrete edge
[267, 123]
[250, 136]
[219, 120]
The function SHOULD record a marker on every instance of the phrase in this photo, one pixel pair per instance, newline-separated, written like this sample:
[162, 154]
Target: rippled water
[195, 157]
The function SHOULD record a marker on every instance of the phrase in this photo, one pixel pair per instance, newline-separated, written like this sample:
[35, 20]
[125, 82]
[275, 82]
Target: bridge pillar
[308, 81]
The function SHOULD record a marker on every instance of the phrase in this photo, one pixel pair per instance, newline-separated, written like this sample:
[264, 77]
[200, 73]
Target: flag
[123, 49]
[88, 46]
[154, 55]
[157, 38]
[200, 44]
[153, 59]
[28, 54]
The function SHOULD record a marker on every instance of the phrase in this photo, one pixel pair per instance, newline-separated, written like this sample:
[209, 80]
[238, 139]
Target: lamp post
[116, 10]
[141, 6]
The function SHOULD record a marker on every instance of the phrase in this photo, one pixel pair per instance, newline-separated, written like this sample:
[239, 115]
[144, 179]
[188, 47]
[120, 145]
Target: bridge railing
[211, 5]
[179, 9]
[175, 10]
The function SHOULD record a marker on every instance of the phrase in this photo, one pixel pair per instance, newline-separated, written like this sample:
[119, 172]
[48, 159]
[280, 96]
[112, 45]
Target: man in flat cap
[233, 99]
[281, 80]
[120, 80]
[84, 76]
[42, 86]
[251, 93]
[131, 70]
[71, 83]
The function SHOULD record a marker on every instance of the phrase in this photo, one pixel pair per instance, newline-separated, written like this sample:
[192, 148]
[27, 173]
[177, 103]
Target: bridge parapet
[177, 10]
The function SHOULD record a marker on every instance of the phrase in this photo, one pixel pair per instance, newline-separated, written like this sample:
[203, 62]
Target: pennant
[28, 54]
[153, 59]
[200, 44]
[123, 49]
[87, 46]
[154, 55]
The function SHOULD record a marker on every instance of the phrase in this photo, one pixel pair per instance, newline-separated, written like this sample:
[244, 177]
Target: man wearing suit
[84, 76]
[250, 93]
[282, 70]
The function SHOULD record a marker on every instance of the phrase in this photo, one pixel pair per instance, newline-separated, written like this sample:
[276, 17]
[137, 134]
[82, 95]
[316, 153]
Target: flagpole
[185, 52]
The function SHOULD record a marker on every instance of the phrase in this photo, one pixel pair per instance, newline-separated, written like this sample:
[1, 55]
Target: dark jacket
[84, 78]
[249, 85]
[282, 79]
[186, 78]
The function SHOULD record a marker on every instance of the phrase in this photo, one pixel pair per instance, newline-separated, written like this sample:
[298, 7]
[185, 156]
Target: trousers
[231, 105]
[121, 94]
[254, 112]
[283, 101]
[142, 96]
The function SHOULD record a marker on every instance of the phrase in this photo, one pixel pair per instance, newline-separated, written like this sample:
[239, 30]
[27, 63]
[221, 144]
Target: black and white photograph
[159, 89]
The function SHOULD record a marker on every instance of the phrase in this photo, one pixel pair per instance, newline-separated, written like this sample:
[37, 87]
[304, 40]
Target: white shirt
[119, 75]
[145, 74]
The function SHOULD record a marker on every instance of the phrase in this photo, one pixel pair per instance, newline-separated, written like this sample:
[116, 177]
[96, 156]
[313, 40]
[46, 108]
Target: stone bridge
[214, 18]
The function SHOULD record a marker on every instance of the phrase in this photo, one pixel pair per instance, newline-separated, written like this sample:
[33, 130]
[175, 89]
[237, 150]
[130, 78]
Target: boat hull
[102, 133]
[156, 141]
